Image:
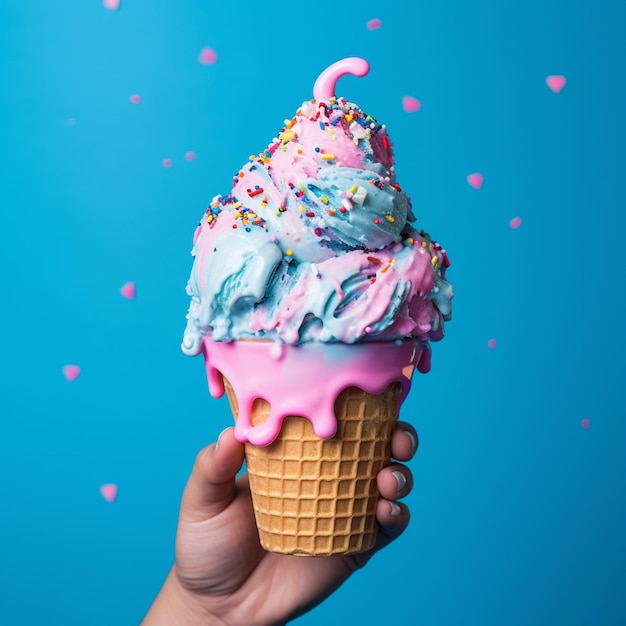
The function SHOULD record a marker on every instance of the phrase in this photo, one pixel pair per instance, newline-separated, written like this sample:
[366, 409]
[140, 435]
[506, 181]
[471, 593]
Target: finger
[394, 481]
[393, 518]
[211, 486]
[404, 442]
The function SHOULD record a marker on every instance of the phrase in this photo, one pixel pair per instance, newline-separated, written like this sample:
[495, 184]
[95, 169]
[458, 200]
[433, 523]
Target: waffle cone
[315, 497]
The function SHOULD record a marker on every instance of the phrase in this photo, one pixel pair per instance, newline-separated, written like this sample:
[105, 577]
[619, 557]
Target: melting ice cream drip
[304, 380]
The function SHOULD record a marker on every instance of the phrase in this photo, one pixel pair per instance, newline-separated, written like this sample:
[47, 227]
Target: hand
[222, 575]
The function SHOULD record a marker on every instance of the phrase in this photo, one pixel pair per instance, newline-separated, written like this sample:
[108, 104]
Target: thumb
[211, 486]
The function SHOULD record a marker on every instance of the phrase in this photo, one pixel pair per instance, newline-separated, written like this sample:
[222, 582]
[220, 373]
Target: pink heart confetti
[208, 56]
[491, 344]
[374, 24]
[584, 423]
[411, 104]
[112, 5]
[71, 372]
[109, 492]
[135, 99]
[190, 156]
[556, 82]
[475, 180]
[128, 290]
[167, 163]
[516, 222]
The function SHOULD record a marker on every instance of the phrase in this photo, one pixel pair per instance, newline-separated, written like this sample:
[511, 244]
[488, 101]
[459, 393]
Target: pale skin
[222, 576]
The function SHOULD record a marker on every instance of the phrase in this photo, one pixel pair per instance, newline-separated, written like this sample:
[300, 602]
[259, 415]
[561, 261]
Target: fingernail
[217, 443]
[411, 436]
[396, 509]
[401, 478]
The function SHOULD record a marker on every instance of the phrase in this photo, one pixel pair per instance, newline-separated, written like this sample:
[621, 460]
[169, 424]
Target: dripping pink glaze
[305, 380]
[324, 88]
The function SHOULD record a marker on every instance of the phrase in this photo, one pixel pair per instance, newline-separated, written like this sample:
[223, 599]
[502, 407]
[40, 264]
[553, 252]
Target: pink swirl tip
[324, 88]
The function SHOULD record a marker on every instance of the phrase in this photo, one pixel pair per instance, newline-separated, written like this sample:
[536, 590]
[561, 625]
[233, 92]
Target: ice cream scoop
[313, 243]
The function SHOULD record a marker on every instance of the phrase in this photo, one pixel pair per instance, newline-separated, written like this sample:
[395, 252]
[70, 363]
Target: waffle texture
[315, 497]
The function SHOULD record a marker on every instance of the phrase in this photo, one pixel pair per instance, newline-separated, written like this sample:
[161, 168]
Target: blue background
[518, 512]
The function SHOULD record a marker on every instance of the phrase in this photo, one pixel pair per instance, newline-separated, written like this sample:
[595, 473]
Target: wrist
[177, 606]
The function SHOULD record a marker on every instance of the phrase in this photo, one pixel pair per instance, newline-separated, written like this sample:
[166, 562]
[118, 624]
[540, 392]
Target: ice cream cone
[313, 301]
[315, 497]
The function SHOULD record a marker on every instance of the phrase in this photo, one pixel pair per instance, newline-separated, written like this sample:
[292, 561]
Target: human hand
[222, 575]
